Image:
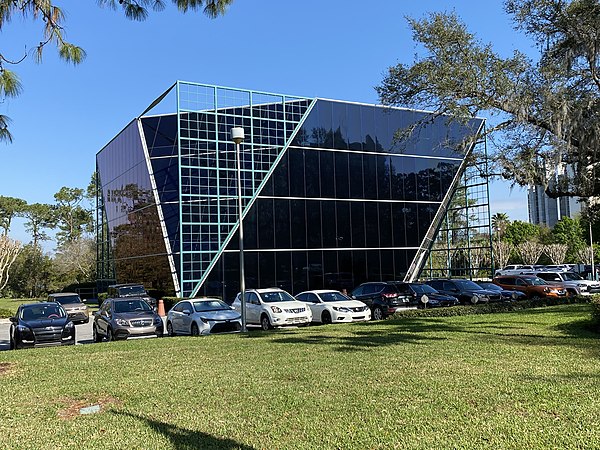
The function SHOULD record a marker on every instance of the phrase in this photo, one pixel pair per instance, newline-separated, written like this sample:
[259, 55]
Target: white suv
[273, 308]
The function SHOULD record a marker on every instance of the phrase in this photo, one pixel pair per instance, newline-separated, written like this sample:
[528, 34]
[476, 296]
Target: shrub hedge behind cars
[595, 302]
[502, 307]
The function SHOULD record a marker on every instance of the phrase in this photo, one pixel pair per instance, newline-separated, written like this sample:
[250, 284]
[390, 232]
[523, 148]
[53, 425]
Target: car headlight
[122, 322]
[341, 309]
[157, 320]
[204, 319]
[23, 329]
[69, 325]
[276, 309]
[514, 295]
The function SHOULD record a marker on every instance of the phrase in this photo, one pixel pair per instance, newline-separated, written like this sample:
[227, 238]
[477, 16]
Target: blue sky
[332, 49]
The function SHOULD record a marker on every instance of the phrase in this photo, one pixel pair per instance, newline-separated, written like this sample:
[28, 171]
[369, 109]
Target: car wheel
[326, 317]
[377, 313]
[95, 336]
[195, 331]
[170, 331]
[109, 335]
[265, 323]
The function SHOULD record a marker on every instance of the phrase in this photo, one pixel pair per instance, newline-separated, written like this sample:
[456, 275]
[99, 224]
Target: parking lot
[83, 333]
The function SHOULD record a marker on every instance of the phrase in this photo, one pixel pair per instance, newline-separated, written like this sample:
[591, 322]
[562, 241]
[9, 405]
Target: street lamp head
[237, 135]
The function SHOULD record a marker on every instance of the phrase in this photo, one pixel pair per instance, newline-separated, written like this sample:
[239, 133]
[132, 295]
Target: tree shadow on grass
[184, 439]
[420, 330]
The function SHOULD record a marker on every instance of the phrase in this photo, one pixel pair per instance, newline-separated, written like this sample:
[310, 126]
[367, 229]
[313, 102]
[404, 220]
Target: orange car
[530, 285]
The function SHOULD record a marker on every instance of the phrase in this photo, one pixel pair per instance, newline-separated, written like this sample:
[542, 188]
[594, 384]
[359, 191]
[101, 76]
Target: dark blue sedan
[424, 296]
[506, 294]
[41, 325]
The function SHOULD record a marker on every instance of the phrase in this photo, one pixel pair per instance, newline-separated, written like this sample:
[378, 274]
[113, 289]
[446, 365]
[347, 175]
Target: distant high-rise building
[544, 210]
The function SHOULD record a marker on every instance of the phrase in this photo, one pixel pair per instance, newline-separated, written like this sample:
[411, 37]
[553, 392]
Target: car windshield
[467, 285]
[128, 291]
[276, 296]
[423, 289]
[572, 276]
[210, 305]
[68, 299]
[333, 297]
[40, 312]
[535, 281]
[131, 306]
[490, 286]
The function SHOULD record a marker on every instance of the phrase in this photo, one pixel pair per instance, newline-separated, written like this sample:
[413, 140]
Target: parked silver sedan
[121, 318]
[202, 316]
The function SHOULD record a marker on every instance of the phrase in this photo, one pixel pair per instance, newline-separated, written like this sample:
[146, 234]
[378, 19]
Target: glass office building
[334, 193]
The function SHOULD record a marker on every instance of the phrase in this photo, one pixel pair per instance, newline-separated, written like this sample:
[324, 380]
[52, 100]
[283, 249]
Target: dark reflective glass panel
[282, 223]
[313, 224]
[265, 223]
[296, 171]
[342, 178]
[344, 229]
[328, 229]
[298, 223]
[312, 178]
[357, 215]
[355, 161]
[339, 125]
[327, 168]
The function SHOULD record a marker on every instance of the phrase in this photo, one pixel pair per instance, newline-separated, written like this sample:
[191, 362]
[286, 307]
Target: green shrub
[101, 297]
[501, 307]
[595, 302]
[6, 313]
[169, 302]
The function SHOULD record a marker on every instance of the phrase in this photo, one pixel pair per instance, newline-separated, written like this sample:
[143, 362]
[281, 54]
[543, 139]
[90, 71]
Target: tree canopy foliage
[545, 110]
[52, 19]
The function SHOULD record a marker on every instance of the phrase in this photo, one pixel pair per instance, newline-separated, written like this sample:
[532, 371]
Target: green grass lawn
[529, 379]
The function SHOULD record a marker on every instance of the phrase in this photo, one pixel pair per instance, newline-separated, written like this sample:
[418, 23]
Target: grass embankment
[528, 379]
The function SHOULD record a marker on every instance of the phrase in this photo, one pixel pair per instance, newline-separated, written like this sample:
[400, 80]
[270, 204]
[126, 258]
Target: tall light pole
[237, 136]
[592, 251]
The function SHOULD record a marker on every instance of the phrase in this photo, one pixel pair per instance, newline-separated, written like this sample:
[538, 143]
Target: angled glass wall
[334, 193]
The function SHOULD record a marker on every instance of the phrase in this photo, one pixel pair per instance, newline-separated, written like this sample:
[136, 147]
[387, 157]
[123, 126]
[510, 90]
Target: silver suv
[121, 318]
[74, 306]
[572, 282]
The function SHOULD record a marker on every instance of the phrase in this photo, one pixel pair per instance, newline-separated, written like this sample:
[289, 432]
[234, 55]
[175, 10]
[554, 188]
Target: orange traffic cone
[161, 308]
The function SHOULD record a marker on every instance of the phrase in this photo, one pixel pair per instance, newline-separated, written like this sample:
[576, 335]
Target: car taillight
[389, 295]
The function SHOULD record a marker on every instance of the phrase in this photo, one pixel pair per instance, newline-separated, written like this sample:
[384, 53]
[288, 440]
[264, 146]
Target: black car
[384, 298]
[466, 291]
[424, 296]
[506, 294]
[41, 325]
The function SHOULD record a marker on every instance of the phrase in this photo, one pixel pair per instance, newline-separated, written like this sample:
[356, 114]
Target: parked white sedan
[334, 307]
[273, 308]
[202, 316]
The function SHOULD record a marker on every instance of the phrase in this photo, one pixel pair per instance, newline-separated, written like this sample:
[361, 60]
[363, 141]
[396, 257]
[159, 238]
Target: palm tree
[499, 223]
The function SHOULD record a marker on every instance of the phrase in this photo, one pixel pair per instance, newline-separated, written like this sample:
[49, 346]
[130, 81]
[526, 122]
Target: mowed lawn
[522, 380]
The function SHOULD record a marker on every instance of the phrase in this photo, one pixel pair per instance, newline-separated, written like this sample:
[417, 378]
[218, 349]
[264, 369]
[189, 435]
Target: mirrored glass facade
[334, 193]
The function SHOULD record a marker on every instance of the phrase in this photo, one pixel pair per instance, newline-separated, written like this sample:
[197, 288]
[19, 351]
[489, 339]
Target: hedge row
[502, 307]
[6, 313]
[595, 302]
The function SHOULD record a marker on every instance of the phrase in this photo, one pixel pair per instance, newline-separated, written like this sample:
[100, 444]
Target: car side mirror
[187, 312]
[83, 300]
[353, 297]
[13, 319]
